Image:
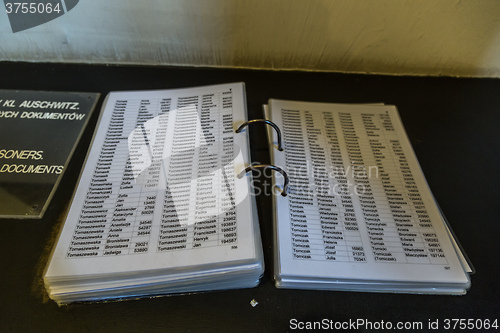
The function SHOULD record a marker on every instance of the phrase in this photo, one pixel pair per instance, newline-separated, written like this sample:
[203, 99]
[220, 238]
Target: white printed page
[159, 189]
[358, 206]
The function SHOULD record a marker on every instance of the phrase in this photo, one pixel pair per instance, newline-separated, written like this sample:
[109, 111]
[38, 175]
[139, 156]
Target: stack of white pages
[159, 208]
[358, 214]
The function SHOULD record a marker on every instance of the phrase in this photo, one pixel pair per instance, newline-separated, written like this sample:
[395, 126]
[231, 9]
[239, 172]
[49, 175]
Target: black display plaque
[39, 131]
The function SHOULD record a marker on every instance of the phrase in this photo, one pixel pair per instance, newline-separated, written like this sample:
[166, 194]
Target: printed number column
[153, 127]
[349, 220]
[228, 233]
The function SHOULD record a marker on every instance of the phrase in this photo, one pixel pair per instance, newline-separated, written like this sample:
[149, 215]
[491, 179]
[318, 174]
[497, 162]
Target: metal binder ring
[280, 148]
[273, 167]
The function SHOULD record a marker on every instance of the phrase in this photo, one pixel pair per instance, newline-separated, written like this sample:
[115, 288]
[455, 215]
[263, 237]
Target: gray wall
[416, 37]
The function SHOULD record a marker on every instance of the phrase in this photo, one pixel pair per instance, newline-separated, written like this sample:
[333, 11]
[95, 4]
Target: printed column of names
[394, 214]
[117, 213]
[199, 208]
[323, 222]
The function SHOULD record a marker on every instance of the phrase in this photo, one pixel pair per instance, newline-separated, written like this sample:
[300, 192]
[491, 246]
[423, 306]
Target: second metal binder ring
[280, 148]
[273, 167]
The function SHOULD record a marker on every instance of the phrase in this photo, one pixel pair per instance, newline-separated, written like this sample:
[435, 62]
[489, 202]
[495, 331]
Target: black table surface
[453, 125]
